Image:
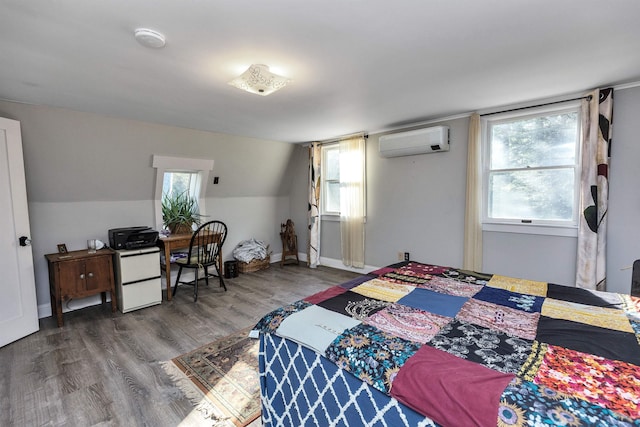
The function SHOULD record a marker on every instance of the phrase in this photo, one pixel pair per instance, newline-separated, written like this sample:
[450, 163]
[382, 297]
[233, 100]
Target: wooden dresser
[79, 274]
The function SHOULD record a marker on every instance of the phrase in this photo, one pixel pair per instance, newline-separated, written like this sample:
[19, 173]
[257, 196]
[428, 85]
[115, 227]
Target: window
[532, 167]
[179, 174]
[179, 182]
[330, 199]
[343, 179]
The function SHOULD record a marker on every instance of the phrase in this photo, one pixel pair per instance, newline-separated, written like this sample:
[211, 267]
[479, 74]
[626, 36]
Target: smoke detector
[149, 38]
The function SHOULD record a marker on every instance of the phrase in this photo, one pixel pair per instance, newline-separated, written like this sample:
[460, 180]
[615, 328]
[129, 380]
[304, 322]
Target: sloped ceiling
[356, 64]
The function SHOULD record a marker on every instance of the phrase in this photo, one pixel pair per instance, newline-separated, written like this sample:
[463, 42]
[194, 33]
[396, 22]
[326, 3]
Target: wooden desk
[173, 242]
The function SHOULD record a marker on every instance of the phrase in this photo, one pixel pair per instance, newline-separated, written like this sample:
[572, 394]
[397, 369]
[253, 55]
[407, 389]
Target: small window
[330, 200]
[180, 182]
[175, 175]
[532, 167]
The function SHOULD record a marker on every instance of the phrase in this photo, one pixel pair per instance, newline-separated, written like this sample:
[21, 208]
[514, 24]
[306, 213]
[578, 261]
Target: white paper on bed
[315, 327]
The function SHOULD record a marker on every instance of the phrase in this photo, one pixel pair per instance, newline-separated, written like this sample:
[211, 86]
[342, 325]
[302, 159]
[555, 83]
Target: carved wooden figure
[289, 243]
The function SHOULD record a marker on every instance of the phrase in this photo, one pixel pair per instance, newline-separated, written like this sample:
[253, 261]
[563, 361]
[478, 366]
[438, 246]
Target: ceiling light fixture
[259, 80]
[149, 38]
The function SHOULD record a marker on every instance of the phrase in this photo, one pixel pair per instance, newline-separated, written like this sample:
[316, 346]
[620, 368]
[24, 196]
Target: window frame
[526, 225]
[325, 214]
[163, 164]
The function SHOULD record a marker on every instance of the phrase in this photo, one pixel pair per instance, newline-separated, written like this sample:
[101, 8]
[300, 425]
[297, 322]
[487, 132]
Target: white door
[18, 304]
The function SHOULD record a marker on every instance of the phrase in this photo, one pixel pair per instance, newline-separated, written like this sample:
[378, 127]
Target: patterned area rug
[221, 379]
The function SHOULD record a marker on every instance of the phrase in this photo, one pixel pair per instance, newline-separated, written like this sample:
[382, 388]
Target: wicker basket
[254, 265]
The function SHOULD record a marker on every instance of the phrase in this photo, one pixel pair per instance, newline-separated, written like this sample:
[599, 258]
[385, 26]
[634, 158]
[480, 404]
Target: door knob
[25, 241]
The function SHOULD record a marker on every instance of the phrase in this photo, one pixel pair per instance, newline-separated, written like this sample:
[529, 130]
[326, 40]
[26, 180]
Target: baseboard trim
[337, 263]
[328, 262]
[44, 310]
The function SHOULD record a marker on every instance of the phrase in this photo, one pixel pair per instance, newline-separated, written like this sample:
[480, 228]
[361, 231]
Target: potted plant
[179, 212]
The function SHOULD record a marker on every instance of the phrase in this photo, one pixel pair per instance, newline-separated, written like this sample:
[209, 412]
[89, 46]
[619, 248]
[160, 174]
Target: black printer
[132, 237]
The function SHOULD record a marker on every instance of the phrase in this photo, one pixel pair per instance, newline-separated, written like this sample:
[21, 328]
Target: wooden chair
[204, 251]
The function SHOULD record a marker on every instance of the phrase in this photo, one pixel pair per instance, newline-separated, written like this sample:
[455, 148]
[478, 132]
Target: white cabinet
[138, 278]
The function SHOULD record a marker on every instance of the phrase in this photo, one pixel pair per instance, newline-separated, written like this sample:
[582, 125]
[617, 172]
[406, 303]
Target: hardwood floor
[104, 369]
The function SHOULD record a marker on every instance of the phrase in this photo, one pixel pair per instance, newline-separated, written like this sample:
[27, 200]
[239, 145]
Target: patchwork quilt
[466, 348]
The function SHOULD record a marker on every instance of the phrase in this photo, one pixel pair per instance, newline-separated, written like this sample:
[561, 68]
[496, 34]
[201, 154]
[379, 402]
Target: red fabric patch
[325, 295]
[450, 390]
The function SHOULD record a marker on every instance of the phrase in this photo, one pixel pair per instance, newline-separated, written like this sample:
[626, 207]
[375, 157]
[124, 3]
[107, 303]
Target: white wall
[416, 204]
[623, 242]
[250, 217]
[529, 256]
[87, 173]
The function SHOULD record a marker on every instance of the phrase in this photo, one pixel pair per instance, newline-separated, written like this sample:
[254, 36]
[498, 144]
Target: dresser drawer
[137, 265]
[140, 294]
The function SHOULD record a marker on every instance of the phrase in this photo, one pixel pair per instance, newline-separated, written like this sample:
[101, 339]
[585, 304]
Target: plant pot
[181, 229]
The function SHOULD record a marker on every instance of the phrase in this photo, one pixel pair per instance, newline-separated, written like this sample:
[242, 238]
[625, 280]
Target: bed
[414, 344]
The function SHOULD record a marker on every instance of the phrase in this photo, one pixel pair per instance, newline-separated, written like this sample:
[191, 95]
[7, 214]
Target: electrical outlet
[400, 256]
[406, 256]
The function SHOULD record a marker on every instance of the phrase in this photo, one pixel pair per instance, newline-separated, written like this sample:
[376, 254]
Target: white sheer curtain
[352, 200]
[472, 226]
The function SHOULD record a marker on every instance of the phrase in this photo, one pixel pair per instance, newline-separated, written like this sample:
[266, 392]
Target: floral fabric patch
[524, 302]
[271, 322]
[354, 305]
[371, 355]
[465, 276]
[630, 304]
[421, 270]
[395, 277]
[501, 318]
[408, 323]
[612, 384]
[524, 403]
[491, 348]
[448, 286]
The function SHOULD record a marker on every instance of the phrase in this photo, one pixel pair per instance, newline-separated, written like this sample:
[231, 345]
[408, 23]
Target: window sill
[543, 230]
[334, 218]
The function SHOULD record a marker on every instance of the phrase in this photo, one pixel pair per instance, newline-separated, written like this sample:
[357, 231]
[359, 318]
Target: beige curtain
[313, 215]
[352, 201]
[472, 221]
[594, 193]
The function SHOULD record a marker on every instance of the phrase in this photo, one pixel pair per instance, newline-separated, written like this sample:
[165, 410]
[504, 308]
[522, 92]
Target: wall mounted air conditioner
[420, 141]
